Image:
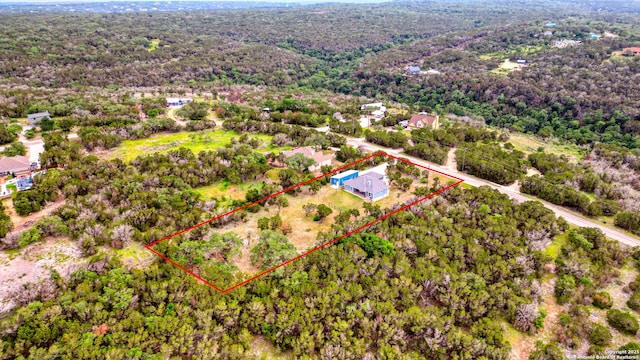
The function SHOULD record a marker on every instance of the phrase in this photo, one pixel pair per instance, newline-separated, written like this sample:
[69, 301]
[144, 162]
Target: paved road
[571, 217]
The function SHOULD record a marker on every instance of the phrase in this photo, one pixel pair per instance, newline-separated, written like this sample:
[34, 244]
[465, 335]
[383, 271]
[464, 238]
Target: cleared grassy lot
[196, 141]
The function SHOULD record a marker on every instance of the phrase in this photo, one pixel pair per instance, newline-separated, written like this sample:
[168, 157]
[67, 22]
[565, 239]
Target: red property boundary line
[379, 153]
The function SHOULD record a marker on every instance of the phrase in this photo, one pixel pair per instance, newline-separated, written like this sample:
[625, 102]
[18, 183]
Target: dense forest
[554, 96]
[467, 274]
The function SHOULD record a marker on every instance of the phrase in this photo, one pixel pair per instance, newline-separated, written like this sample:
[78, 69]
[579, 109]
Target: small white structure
[178, 101]
[378, 114]
[34, 119]
[373, 105]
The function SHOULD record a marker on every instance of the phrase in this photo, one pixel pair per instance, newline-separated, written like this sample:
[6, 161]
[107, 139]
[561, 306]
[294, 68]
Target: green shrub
[630, 346]
[29, 236]
[564, 289]
[599, 335]
[634, 301]
[544, 351]
[622, 321]
[602, 300]
[596, 350]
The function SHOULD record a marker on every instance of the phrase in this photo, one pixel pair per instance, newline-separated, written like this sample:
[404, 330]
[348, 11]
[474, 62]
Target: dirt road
[568, 215]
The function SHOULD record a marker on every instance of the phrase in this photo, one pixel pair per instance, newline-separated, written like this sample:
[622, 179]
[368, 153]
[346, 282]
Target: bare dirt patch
[452, 164]
[35, 264]
[24, 222]
[523, 344]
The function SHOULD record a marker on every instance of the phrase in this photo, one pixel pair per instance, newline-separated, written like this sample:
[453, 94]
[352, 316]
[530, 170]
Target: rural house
[317, 156]
[412, 70]
[631, 51]
[34, 119]
[19, 166]
[370, 186]
[419, 121]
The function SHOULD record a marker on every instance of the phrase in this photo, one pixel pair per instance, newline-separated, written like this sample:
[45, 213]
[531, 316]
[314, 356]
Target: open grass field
[225, 190]
[529, 144]
[195, 141]
[506, 53]
[553, 249]
[154, 45]
[506, 67]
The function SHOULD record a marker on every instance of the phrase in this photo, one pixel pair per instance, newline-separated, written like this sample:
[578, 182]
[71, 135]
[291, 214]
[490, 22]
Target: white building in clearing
[178, 101]
[378, 106]
[376, 114]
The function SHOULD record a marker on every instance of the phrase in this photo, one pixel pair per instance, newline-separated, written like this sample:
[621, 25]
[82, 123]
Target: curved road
[513, 194]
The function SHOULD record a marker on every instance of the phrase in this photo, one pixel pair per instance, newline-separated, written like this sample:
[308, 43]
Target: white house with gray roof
[371, 185]
[34, 119]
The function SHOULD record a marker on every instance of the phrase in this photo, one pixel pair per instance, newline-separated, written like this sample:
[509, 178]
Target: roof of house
[175, 100]
[38, 115]
[426, 119]
[9, 164]
[367, 183]
[633, 48]
[344, 174]
[307, 151]
[413, 68]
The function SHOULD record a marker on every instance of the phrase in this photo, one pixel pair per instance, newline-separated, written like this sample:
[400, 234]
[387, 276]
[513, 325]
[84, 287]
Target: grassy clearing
[194, 141]
[529, 144]
[506, 67]
[225, 190]
[272, 174]
[153, 45]
[506, 53]
[553, 250]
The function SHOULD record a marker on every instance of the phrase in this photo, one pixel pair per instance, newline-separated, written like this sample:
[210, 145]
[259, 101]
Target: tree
[628, 220]
[526, 314]
[5, 135]
[373, 244]
[564, 288]
[192, 253]
[602, 300]
[599, 335]
[318, 141]
[288, 178]
[15, 149]
[272, 249]
[299, 162]
[404, 183]
[226, 244]
[322, 211]
[309, 208]
[29, 236]
[6, 225]
[622, 321]
[46, 124]
[546, 352]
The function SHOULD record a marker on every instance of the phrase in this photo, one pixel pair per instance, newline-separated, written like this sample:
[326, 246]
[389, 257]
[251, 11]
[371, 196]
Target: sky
[86, 1]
